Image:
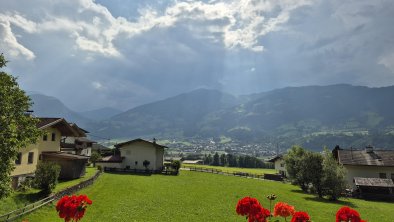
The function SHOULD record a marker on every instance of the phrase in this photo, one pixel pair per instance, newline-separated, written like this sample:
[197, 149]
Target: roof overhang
[373, 182]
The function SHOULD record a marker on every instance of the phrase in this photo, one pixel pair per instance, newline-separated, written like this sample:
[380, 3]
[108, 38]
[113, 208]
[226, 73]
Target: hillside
[100, 114]
[175, 116]
[289, 115]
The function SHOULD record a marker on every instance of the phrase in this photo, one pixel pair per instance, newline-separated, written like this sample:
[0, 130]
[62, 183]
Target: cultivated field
[194, 196]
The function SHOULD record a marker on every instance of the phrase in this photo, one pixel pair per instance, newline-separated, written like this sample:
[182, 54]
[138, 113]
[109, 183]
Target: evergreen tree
[216, 161]
[223, 160]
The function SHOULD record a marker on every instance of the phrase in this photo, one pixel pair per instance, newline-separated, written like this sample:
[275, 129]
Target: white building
[366, 163]
[280, 165]
[134, 153]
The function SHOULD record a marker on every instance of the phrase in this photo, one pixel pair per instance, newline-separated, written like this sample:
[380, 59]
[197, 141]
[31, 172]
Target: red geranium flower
[283, 210]
[300, 217]
[251, 208]
[72, 207]
[348, 214]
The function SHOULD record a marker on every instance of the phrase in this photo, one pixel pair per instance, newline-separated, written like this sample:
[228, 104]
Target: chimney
[154, 140]
[369, 149]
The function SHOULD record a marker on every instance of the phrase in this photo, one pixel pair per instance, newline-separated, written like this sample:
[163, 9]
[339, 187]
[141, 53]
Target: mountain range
[310, 116]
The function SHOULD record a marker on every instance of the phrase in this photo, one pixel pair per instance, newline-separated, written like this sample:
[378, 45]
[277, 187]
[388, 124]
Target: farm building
[79, 145]
[368, 170]
[133, 154]
[279, 164]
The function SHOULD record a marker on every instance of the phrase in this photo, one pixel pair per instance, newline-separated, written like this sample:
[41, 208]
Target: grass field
[233, 169]
[19, 199]
[194, 196]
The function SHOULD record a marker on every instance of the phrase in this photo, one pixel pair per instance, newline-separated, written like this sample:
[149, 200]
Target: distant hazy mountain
[175, 116]
[100, 114]
[292, 113]
[47, 106]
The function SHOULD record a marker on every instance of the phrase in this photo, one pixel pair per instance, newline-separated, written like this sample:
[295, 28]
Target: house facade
[365, 163]
[78, 145]
[26, 163]
[279, 164]
[133, 153]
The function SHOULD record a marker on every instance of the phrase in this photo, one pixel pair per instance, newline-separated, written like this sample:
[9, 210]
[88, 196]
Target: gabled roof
[119, 145]
[61, 124]
[81, 132]
[373, 182]
[275, 158]
[364, 158]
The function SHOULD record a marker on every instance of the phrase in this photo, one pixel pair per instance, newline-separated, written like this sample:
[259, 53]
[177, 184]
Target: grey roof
[273, 159]
[373, 182]
[363, 158]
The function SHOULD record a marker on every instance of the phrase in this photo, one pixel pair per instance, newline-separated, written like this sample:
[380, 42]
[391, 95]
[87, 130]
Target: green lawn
[233, 169]
[194, 196]
[19, 199]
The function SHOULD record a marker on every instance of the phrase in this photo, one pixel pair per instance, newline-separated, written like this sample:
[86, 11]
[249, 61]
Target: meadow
[195, 196]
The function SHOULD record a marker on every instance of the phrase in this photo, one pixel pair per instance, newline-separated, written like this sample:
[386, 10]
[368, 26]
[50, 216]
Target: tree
[223, 160]
[46, 176]
[95, 157]
[176, 164]
[216, 159]
[17, 129]
[311, 170]
[293, 161]
[334, 174]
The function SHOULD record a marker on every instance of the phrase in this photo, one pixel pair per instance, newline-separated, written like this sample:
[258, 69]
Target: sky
[124, 53]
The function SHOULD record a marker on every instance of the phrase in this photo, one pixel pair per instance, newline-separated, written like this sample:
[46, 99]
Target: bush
[176, 164]
[25, 185]
[100, 168]
[46, 177]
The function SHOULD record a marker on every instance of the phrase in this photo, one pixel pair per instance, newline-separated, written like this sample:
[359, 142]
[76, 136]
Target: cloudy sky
[122, 53]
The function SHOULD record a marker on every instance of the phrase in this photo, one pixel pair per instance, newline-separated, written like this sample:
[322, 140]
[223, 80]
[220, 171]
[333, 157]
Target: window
[45, 137]
[382, 175]
[136, 163]
[392, 176]
[282, 165]
[30, 158]
[53, 136]
[18, 159]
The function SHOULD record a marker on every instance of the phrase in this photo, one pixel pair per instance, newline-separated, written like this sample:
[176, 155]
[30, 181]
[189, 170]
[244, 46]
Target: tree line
[243, 161]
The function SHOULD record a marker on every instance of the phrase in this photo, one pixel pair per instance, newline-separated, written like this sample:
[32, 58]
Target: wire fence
[265, 176]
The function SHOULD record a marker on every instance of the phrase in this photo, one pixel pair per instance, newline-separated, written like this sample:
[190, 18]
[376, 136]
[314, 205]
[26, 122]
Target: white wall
[368, 172]
[280, 166]
[140, 151]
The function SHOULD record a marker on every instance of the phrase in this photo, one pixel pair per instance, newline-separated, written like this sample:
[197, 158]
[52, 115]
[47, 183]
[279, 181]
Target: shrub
[25, 185]
[46, 177]
[176, 164]
[100, 168]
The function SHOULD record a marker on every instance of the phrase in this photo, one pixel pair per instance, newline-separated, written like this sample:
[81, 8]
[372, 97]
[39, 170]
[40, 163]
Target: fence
[139, 171]
[10, 216]
[237, 173]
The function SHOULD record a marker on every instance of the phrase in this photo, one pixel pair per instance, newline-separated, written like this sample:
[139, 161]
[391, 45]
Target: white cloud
[236, 23]
[97, 85]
